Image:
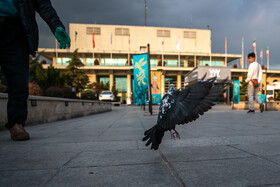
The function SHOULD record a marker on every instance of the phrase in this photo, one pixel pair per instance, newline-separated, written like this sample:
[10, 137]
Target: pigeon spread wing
[206, 103]
[186, 102]
[180, 107]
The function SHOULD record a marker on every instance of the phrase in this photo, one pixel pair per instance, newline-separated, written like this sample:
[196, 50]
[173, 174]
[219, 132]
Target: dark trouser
[14, 61]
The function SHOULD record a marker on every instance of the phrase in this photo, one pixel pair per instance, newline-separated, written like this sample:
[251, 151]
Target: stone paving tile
[87, 146]
[275, 159]
[229, 172]
[213, 141]
[188, 154]
[107, 158]
[262, 149]
[36, 161]
[126, 175]
[25, 177]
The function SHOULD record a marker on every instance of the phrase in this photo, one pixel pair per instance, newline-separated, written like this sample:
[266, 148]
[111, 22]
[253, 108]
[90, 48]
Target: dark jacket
[26, 9]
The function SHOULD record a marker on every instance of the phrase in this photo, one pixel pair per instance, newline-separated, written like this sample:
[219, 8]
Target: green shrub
[54, 92]
[34, 89]
[67, 93]
[89, 95]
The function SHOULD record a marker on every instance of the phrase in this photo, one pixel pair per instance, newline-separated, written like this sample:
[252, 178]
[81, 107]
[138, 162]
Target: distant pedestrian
[254, 79]
[18, 39]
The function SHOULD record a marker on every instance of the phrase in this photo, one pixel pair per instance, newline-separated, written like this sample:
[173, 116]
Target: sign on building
[211, 71]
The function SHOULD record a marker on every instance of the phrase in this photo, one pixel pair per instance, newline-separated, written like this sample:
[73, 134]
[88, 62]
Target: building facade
[107, 51]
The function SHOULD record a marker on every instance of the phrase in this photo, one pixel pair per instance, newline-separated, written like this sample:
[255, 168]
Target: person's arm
[250, 73]
[49, 15]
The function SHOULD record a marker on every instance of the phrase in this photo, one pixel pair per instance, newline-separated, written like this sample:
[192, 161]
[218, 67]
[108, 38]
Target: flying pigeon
[183, 106]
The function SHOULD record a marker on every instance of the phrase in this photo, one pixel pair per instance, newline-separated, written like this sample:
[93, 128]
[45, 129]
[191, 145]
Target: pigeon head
[171, 89]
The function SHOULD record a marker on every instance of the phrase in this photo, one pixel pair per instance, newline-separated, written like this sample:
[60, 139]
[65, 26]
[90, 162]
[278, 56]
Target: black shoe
[261, 107]
[251, 111]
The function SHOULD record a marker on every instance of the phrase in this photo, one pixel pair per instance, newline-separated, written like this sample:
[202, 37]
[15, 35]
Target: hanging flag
[267, 51]
[261, 54]
[225, 42]
[93, 42]
[246, 59]
[162, 42]
[76, 35]
[254, 44]
[129, 39]
[111, 41]
[178, 43]
[141, 78]
[236, 92]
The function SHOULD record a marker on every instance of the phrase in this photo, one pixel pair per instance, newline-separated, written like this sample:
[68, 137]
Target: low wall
[48, 109]
[244, 105]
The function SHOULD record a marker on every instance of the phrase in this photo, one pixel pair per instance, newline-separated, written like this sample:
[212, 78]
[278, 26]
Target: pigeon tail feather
[154, 136]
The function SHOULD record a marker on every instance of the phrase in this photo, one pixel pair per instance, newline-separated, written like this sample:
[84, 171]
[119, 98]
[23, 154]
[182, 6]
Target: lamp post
[74, 92]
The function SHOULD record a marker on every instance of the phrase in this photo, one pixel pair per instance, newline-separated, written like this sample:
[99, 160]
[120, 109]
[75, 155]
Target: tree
[46, 78]
[115, 91]
[76, 77]
[37, 74]
[98, 87]
[55, 77]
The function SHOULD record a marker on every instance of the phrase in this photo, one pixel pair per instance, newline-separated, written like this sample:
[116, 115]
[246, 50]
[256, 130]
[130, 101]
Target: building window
[213, 63]
[182, 81]
[190, 34]
[234, 78]
[163, 33]
[95, 30]
[121, 31]
[121, 84]
[63, 61]
[171, 63]
[153, 62]
[168, 81]
[105, 81]
[143, 48]
[113, 62]
[89, 61]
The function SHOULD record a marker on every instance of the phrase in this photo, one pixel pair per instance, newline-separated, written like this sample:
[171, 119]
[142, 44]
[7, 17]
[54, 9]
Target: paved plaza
[224, 147]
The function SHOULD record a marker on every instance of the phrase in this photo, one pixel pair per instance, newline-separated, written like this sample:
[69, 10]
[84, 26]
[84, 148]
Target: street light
[74, 91]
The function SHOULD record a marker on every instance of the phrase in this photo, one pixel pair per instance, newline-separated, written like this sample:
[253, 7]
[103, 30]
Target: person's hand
[62, 37]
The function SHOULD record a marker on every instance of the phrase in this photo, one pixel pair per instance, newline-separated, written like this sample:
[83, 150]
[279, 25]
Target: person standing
[254, 79]
[19, 38]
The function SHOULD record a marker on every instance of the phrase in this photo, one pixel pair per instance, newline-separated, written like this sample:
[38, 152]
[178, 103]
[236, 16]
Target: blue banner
[156, 98]
[140, 83]
[262, 98]
[236, 92]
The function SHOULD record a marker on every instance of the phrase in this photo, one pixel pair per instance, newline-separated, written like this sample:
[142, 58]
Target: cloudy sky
[252, 19]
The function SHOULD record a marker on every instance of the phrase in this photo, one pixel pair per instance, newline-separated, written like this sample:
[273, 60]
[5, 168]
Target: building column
[162, 84]
[93, 77]
[128, 99]
[111, 81]
[85, 61]
[54, 61]
[185, 63]
[240, 78]
[179, 81]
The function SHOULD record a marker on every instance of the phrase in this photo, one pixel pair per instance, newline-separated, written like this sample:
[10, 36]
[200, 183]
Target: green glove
[62, 37]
